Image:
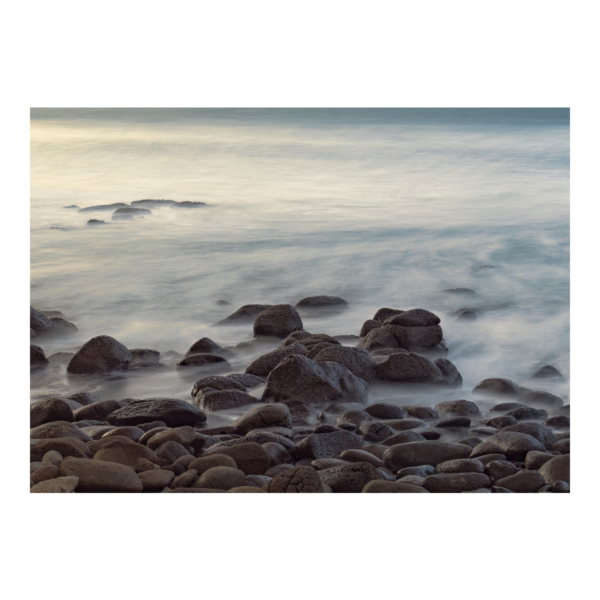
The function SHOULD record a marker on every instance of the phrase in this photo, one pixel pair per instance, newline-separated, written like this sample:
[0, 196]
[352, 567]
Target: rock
[37, 358]
[378, 338]
[538, 398]
[187, 204]
[202, 360]
[522, 482]
[497, 387]
[457, 407]
[559, 421]
[506, 407]
[112, 207]
[354, 416]
[301, 414]
[39, 322]
[467, 315]
[411, 479]
[375, 432]
[175, 468]
[298, 480]
[535, 459]
[563, 446]
[221, 478]
[361, 456]
[185, 461]
[421, 411]
[184, 480]
[68, 446]
[414, 454]
[431, 434]
[156, 480]
[278, 321]
[540, 432]
[133, 433]
[146, 427]
[421, 471]
[383, 410]
[204, 463]
[278, 469]
[461, 465]
[101, 354]
[299, 378]
[349, 478]
[60, 485]
[405, 424]
[127, 454]
[514, 445]
[327, 445]
[454, 422]
[175, 413]
[415, 368]
[499, 469]
[235, 381]
[471, 441]
[327, 463]
[215, 400]
[246, 489]
[368, 326]
[182, 435]
[84, 398]
[145, 355]
[222, 303]
[526, 412]
[557, 469]
[451, 483]
[257, 480]
[321, 302]
[383, 314]
[485, 448]
[129, 210]
[356, 360]
[245, 313]
[269, 415]
[49, 410]
[62, 326]
[547, 372]
[58, 429]
[403, 438]
[143, 464]
[98, 476]
[111, 442]
[52, 457]
[250, 458]
[277, 454]
[561, 487]
[45, 473]
[97, 411]
[264, 364]
[461, 291]
[485, 459]
[393, 487]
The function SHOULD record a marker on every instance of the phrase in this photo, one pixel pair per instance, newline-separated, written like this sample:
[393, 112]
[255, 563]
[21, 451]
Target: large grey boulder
[514, 445]
[174, 413]
[101, 354]
[234, 381]
[540, 432]
[415, 330]
[416, 368]
[212, 400]
[316, 302]
[277, 321]
[557, 469]
[299, 378]
[49, 410]
[378, 338]
[245, 313]
[539, 398]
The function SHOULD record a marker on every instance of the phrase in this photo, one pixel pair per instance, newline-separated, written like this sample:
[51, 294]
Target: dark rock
[513, 444]
[94, 222]
[368, 326]
[496, 386]
[375, 432]
[417, 317]
[454, 422]
[500, 490]
[414, 339]
[522, 482]
[382, 410]
[45, 473]
[540, 432]
[222, 303]
[348, 427]
[317, 348]
[470, 441]
[98, 411]
[298, 480]
[59, 429]
[563, 446]
[421, 411]
[393, 487]
[49, 410]
[505, 407]
[420, 471]
[322, 301]
[467, 315]
[277, 454]
[98, 476]
[269, 415]
[538, 398]
[155, 480]
[60, 485]
[534, 460]
[84, 398]
[561, 487]
[39, 322]
[563, 436]
[299, 378]
[327, 445]
[356, 360]
[175, 468]
[361, 456]
[485, 459]
[499, 469]
[402, 438]
[430, 434]
[356, 417]
[146, 427]
[221, 478]
[129, 210]
[187, 204]
[278, 321]
[169, 452]
[101, 354]
[500, 422]
[278, 469]
[450, 483]
[341, 407]
[405, 424]
[415, 368]
[327, 463]
[112, 207]
[202, 360]
[413, 454]
[182, 435]
[378, 338]
[245, 313]
[349, 478]
[133, 433]
[466, 291]
[559, 421]
[126, 454]
[264, 364]
[37, 358]
[301, 413]
[234, 381]
[174, 413]
[204, 346]
[461, 465]
[527, 412]
[250, 458]
[204, 463]
[547, 372]
[68, 446]
[385, 313]
[212, 400]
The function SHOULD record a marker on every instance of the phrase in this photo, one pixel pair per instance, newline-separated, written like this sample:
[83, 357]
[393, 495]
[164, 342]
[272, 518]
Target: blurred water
[382, 207]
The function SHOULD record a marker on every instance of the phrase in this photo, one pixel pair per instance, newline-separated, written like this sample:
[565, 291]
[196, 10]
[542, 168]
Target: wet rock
[421, 471]
[327, 445]
[269, 415]
[499, 469]
[60, 485]
[361, 456]
[301, 413]
[298, 480]
[349, 478]
[457, 407]
[277, 454]
[506, 407]
[130, 210]
[356, 360]
[278, 321]
[563, 446]
[402, 438]
[112, 207]
[461, 291]
[250, 458]
[383, 314]
[204, 346]
[204, 463]
[485, 448]
[49, 410]
[496, 386]
[143, 464]
[212, 400]
[368, 326]
[547, 372]
[185, 461]
[356, 417]
[221, 478]
[84, 398]
[154, 481]
[430, 434]
[175, 468]
[415, 368]
[64, 446]
[535, 459]
[327, 463]
[392, 487]
[375, 432]
[133, 433]
[467, 315]
[523, 482]
[39, 322]
[454, 422]
[96, 476]
[203, 360]
[278, 469]
[122, 217]
[500, 422]
[264, 364]
[421, 411]
[382, 410]
[485, 459]
[169, 452]
[415, 330]
[461, 465]
[513, 444]
[470, 441]
[37, 358]
[561, 421]
[378, 354]
[527, 412]
[414, 454]
[412, 480]
[405, 424]
[58, 429]
[557, 469]
[538, 398]
[341, 407]
[322, 302]
[540, 432]
[451, 483]
[245, 313]
[235, 381]
[175, 413]
[561, 487]
[127, 454]
[378, 338]
[101, 354]
[45, 473]
[299, 378]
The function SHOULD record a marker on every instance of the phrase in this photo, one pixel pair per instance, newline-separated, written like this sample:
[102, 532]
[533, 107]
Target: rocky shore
[312, 427]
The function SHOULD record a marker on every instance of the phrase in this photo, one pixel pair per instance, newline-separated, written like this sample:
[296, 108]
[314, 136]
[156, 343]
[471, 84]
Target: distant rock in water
[485, 308]
[42, 325]
[483, 267]
[60, 228]
[467, 315]
[322, 301]
[246, 312]
[201, 360]
[154, 203]
[277, 321]
[53, 313]
[187, 204]
[101, 354]
[204, 346]
[145, 355]
[104, 207]
[128, 210]
[547, 372]
[122, 217]
[466, 291]
[37, 358]
[96, 222]
[222, 303]
[72, 206]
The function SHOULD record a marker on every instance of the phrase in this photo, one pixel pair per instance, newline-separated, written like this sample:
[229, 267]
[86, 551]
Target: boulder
[382, 410]
[421, 411]
[246, 489]
[547, 372]
[405, 424]
[220, 478]
[327, 445]
[269, 415]
[245, 313]
[354, 416]
[101, 354]
[457, 407]
[560, 421]
[461, 465]
[58, 429]
[350, 478]
[204, 346]
[451, 483]
[64, 446]
[45, 473]
[204, 463]
[133, 433]
[402, 438]
[299, 378]
[235, 381]
[514, 445]
[301, 413]
[298, 480]
[39, 322]
[37, 358]
[523, 482]
[49, 410]
[496, 386]
[535, 459]
[52, 457]
[250, 458]
[322, 302]
[378, 338]
[203, 360]
[563, 446]
[98, 476]
[154, 481]
[466, 291]
[264, 364]
[182, 435]
[539, 432]
[368, 326]
[98, 411]
[112, 207]
[392, 487]
[60, 485]
[145, 355]
[526, 413]
[212, 400]
[84, 398]
[327, 463]
[277, 454]
[127, 454]
[454, 422]
[169, 452]
[538, 398]
[383, 314]
[277, 321]
[414, 339]
[110, 442]
[361, 456]
[142, 465]
[557, 469]
[174, 413]
[414, 454]
[415, 368]
[356, 360]
[499, 469]
[375, 431]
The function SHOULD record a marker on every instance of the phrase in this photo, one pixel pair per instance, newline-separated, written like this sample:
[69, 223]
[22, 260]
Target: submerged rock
[104, 207]
[277, 321]
[202, 360]
[37, 358]
[187, 204]
[152, 203]
[321, 302]
[497, 386]
[547, 372]
[466, 291]
[204, 346]
[93, 222]
[416, 368]
[101, 354]
[356, 360]
[145, 355]
[245, 313]
[264, 364]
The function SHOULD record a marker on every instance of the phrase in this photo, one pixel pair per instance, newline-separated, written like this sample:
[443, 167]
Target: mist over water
[380, 207]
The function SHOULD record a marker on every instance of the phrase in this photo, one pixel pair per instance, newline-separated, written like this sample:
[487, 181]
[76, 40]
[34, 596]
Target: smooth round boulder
[513, 444]
[44, 473]
[131, 432]
[327, 445]
[174, 413]
[523, 482]
[461, 465]
[497, 386]
[421, 411]
[60, 485]
[354, 416]
[204, 346]
[101, 354]
[64, 446]
[59, 429]
[98, 411]
[127, 454]
[414, 454]
[540, 432]
[49, 410]
[322, 302]
[383, 410]
[457, 407]
[539, 398]
[547, 372]
[403, 437]
[361, 456]
[451, 483]
[499, 469]
[350, 478]
[203, 360]
[154, 481]
[268, 415]
[557, 469]
[220, 478]
[375, 431]
[277, 321]
[169, 452]
[250, 457]
[37, 357]
[534, 459]
[298, 480]
[246, 489]
[96, 476]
